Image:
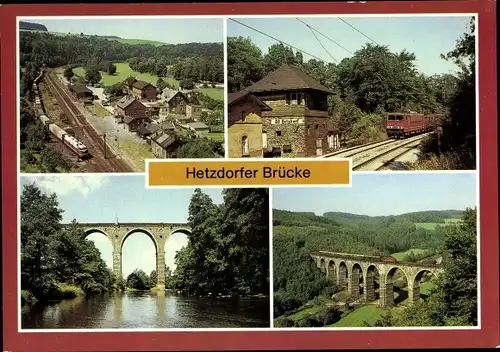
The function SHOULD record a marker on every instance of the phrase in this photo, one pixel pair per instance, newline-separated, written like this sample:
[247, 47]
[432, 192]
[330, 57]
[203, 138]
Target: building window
[244, 145]
[294, 99]
[278, 133]
[287, 148]
[316, 127]
[264, 139]
[243, 115]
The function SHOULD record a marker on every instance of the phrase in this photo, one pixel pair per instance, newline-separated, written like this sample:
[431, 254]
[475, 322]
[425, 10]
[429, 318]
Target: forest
[297, 280]
[374, 81]
[195, 61]
[57, 262]
[227, 251]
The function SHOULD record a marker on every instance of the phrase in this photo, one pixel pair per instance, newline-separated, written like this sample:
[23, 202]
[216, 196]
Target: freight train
[68, 140]
[402, 125]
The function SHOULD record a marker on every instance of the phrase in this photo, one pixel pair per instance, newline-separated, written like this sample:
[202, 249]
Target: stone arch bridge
[347, 270]
[118, 233]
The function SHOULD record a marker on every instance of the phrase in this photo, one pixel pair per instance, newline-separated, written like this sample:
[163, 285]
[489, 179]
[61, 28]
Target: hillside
[32, 26]
[429, 216]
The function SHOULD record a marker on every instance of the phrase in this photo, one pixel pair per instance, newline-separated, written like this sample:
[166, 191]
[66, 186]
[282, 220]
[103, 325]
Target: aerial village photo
[392, 93]
[103, 95]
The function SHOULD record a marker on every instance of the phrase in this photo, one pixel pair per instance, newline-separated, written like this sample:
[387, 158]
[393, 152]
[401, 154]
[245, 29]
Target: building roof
[124, 102]
[164, 140]
[235, 97]
[143, 129]
[130, 80]
[168, 94]
[179, 116]
[286, 77]
[167, 125]
[128, 119]
[197, 125]
[79, 88]
[141, 84]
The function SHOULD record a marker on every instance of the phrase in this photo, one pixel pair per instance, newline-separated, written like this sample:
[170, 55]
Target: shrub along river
[148, 310]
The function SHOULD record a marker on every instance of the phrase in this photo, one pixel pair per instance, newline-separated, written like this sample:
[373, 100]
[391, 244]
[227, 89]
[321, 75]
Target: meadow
[123, 71]
[432, 225]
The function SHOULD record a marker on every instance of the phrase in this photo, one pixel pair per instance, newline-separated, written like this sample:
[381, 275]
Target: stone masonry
[344, 268]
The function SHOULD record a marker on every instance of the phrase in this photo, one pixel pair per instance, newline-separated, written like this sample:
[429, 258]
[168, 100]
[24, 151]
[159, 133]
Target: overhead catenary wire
[324, 35]
[278, 40]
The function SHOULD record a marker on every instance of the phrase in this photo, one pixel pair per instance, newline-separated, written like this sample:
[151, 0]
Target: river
[148, 310]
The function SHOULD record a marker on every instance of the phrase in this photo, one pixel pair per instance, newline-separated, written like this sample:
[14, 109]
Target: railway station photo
[392, 93]
[412, 262]
[96, 95]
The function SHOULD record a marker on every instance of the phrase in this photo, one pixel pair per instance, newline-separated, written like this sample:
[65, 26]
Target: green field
[432, 225]
[402, 256]
[370, 314]
[216, 136]
[123, 71]
[214, 93]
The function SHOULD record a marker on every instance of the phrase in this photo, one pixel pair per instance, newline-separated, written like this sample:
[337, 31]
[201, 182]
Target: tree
[114, 90]
[200, 147]
[244, 63]
[92, 75]
[68, 72]
[161, 85]
[138, 280]
[187, 83]
[153, 277]
[110, 68]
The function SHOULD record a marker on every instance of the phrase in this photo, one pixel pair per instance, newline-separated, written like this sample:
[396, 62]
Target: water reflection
[149, 310]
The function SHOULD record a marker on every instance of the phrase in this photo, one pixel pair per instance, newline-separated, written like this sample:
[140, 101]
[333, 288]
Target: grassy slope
[432, 225]
[214, 93]
[401, 256]
[123, 71]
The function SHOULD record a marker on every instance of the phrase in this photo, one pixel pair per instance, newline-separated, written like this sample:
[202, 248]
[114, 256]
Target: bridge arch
[322, 265]
[103, 242]
[370, 285]
[143, 231]
[90, 231]
[331, 272]
[390, 287]
[343, 274]
[416, 280]
[355, 280]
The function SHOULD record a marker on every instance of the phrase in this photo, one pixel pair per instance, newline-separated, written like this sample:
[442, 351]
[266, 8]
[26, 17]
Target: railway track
[86, 132]
[375, 156]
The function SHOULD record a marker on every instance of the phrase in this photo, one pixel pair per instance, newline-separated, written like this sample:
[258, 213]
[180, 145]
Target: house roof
[128, 119]
[124, 102]
[164, 140]
[79, 88]
[168, 94]
[143, 129]
[168, 125]
[235, 97]
[286, 77]
[130, 80]
[141, 84]
[197, 125]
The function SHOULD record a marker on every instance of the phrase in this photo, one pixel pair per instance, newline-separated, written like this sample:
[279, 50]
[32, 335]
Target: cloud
[62, 185]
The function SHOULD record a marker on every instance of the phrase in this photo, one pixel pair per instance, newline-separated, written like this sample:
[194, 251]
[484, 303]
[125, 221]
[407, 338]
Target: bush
[27, 298]
[69, 291]
[285, 323]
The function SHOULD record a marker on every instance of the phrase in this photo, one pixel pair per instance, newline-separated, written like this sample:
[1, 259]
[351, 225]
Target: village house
[176, 101]
[198, 127]
[164, 145]
[245, 134]
[297, 122]
[167, 126]
[133, 122]
[140, 89]
[146, 129]
[80, 91]
[129, 106]
[193, 111]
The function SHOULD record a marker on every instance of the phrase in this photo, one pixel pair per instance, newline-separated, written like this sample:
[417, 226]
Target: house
[164, 145]
[140, 89]
[129, 106]
[167, 126]
[198, 127]
[245, 134]
[297, 122]
[152, 109]
[133, 122]
[80, 91]
[146, 129]
[176, 101]
[180, 119]
[193, 111]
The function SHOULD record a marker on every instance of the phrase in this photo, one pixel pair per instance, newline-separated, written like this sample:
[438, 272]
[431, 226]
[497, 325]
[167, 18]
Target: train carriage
[402, 125]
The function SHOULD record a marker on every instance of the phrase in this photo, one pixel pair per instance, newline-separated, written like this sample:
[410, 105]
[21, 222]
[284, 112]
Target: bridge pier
[117, 261]
[342, 277]
[160, 269]
[369, 288]
[386, 299]
[413, 293]
[353, 283]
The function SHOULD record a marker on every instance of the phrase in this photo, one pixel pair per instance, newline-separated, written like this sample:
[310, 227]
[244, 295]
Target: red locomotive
[402, 125]
[388, 259]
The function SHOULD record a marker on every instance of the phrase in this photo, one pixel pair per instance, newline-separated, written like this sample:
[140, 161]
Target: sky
[427, 37]
[99, 198]
[168, 30]
[384, 194]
